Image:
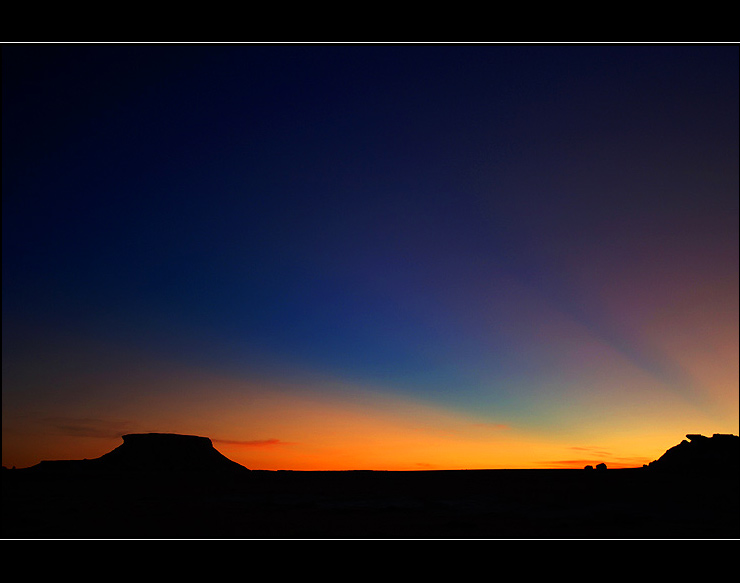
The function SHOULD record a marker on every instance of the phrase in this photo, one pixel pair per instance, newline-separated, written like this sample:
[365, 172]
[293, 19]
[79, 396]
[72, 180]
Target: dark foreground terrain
[160, 485]
[637, 503]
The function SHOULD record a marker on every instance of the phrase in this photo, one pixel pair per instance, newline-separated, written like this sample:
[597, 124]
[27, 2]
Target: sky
[370, 256]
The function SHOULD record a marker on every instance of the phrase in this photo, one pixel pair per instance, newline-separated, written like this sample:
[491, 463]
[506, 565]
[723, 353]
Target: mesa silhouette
[155, 452]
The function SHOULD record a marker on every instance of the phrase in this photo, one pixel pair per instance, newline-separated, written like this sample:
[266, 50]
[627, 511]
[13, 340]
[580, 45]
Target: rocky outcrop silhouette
[719, 454]
[158, 452]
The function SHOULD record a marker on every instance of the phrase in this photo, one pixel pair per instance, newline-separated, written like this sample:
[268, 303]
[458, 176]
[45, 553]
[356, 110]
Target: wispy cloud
[88, 426]
[253, 443]
[571, 464]
[596, 451]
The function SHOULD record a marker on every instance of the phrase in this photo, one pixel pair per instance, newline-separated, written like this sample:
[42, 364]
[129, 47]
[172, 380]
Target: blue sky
[529, 235]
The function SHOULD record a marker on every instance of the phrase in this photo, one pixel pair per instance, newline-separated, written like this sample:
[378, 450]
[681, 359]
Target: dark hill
[179, 486]
[160, 452]
[719, 454]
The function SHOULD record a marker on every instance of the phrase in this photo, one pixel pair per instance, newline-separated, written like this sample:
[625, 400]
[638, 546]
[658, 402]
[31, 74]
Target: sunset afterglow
[370, 257]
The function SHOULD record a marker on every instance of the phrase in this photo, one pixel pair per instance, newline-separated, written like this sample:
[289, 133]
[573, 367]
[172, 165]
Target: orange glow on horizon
[330, 425]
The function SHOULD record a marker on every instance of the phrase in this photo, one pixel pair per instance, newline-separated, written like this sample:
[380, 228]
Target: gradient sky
[370, 256]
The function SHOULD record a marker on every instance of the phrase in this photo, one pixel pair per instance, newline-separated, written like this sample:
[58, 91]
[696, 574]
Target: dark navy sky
[392, 214]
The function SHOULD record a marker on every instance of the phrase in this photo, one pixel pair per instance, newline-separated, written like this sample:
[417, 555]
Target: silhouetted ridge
[160, 452]
[717, 454]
